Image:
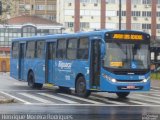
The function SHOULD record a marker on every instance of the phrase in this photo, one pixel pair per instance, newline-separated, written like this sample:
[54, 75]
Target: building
[8, 10]
[25, 26]
[85, 15]
[42, 8]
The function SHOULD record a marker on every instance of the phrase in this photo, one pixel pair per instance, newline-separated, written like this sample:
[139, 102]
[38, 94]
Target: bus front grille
[129, 81]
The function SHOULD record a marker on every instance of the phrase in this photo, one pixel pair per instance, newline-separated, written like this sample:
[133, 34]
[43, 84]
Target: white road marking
[58, 98]
[19, 99]
[109, 101]
[148, 98]
[36, 98]
[154, 90]
[157, 95]
[146, 105]
[79, 98]
[132, 101]
[26, 90]
[137, 102]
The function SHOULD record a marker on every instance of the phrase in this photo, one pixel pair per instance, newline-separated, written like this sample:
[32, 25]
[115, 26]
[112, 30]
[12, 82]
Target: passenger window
[52, 51]
[83, 44]
[30, 53]
[61, 49]
[40, 49]
[83, 48]
[72, 49]
[15, 49]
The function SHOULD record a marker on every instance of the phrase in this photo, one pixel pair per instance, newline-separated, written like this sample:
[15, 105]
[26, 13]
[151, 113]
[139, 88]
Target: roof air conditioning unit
[84, 4]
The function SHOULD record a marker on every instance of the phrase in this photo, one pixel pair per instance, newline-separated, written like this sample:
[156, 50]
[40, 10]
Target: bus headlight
[109, 78]
[145, 80]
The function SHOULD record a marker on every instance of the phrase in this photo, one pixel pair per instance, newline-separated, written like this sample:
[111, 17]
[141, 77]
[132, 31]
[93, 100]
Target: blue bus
[107, 60]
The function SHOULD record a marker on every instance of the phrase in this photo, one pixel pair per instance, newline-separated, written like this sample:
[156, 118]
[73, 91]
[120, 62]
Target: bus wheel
[31, 80]
[122, 94]
[81, 88]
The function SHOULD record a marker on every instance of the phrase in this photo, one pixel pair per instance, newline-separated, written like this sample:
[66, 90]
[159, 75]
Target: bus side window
[52, 51]
[15, 46]
[30, 53]
[72, 48]
[40, 49]
[83, 48]
[61, 49]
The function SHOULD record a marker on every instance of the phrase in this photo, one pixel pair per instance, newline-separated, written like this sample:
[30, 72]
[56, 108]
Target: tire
[81, 88]
[122, 94]
[31, 81]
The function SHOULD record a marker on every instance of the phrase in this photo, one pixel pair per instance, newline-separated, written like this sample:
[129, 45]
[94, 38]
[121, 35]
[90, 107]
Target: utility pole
[120, 13]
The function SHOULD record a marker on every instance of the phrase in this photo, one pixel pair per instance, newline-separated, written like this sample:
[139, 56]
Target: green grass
[155, 76]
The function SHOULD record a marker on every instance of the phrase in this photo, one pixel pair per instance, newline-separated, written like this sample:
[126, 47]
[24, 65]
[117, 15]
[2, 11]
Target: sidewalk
[155, 84]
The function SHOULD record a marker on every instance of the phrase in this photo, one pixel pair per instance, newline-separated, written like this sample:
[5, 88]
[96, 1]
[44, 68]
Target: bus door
[50, 62]
[21, 60]
[95, 63]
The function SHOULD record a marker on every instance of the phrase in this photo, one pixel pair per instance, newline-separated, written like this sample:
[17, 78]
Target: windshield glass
[127, 56]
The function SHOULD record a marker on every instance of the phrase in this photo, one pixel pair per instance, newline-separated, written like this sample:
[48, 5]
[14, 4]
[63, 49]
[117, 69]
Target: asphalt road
[99, 106]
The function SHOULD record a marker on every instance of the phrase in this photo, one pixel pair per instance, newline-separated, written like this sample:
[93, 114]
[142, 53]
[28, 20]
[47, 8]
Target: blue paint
[64, 72]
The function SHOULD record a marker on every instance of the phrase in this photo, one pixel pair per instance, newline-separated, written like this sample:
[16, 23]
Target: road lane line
[131, 101]
[93, 105]
[25, 90]
[82, 99]
[109, 101]
[19, 99]
[35, 98]
[154, 90]
[58, 98]
[150, 98]
[137, 102]
[155, 95]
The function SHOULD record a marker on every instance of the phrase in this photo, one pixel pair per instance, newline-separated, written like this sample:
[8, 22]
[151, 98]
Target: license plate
[130, 87]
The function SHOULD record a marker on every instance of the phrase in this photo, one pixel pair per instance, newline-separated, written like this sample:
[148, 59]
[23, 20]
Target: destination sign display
[121, 36]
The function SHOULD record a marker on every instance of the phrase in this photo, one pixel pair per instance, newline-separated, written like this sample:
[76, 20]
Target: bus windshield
[127, 56]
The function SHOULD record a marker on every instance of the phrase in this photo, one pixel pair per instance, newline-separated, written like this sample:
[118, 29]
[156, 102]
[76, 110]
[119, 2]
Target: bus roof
[73, 35]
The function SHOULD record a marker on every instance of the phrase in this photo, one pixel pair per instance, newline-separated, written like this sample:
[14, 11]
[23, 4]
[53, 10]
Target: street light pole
[120, 14]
